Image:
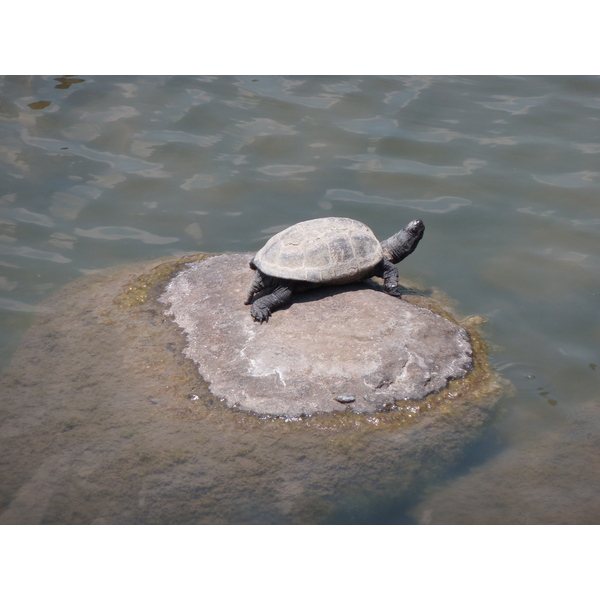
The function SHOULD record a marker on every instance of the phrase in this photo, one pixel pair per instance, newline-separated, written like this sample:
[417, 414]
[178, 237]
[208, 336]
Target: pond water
[101, 172]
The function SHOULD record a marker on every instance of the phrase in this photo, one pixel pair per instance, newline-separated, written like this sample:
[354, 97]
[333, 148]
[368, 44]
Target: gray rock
[338, 342]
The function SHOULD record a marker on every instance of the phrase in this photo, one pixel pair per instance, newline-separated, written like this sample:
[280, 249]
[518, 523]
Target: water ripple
[441, 204]
[285, 170]
[204, 181]
[514, 105]
[583, 179]
[263, 126]
[27, 216]
[121, 233]
[373, 126]
[28, 252]
[167, 135]
[282, 88]
[414, 87]
[13, 305]
[372, 162]
[121, 163]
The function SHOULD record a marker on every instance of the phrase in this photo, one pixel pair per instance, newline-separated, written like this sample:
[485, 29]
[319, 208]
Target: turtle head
[399, 246]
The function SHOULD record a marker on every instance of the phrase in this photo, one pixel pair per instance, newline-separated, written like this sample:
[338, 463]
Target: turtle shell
[329, 250]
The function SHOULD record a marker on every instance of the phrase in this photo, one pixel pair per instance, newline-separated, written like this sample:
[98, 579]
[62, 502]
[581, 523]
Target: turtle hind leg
[263, 307]
[260, 281]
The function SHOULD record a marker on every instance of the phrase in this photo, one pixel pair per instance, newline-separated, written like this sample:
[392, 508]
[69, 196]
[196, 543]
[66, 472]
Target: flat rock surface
[334, 349]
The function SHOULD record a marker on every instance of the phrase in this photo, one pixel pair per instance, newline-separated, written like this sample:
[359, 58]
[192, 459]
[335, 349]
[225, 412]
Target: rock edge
[352, 342]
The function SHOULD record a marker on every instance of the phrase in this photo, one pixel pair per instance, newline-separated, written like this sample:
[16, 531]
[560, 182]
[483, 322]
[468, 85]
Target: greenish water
[103, 171]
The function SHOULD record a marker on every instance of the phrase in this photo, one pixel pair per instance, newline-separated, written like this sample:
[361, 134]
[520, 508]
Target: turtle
[326, 251]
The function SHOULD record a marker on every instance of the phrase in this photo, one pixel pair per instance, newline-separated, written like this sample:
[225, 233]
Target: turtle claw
[396, 292]
[260, 314]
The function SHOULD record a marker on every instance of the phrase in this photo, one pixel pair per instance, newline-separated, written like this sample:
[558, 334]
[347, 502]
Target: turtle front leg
[389, 273]
[263, 307]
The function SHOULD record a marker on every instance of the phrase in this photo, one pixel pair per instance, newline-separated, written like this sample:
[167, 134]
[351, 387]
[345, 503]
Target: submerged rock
[348, 345]
[104, 420]
[558, 475]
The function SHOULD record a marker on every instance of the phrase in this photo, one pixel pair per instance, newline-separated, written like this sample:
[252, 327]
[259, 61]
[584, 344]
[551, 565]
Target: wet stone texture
[334, 348]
